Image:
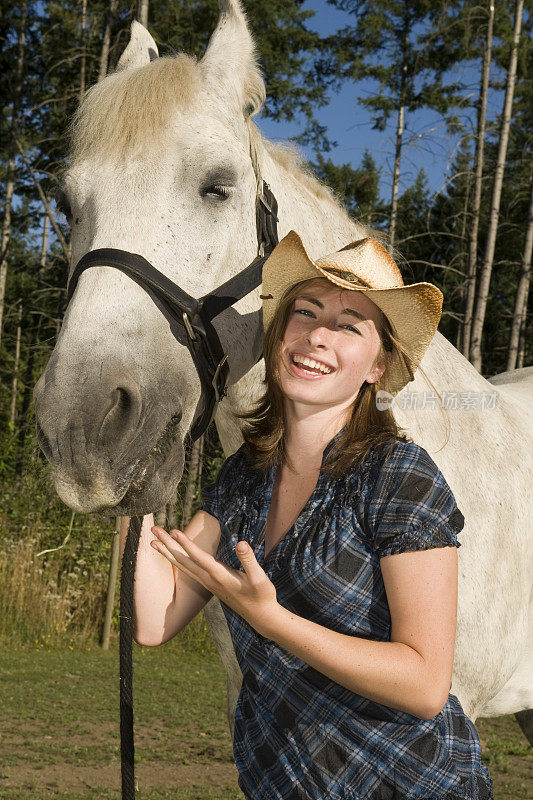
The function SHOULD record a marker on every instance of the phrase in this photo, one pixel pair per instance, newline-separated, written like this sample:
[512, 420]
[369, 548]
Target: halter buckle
[263, 200]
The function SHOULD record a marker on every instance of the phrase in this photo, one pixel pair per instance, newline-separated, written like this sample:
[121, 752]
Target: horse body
[176, 185]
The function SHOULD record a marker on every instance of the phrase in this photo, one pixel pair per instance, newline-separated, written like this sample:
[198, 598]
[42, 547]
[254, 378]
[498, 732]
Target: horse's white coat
[114, 335]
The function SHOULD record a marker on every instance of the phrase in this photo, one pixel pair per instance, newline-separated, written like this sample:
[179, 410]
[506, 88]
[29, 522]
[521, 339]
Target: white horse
[162, 166]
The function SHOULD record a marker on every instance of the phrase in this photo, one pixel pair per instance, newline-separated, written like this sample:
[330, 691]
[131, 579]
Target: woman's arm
[413, 671]
[165, 599]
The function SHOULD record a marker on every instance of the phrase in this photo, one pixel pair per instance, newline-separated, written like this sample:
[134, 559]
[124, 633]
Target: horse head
[162, 165]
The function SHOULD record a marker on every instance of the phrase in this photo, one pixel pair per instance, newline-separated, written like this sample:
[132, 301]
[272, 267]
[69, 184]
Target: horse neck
[449, 370]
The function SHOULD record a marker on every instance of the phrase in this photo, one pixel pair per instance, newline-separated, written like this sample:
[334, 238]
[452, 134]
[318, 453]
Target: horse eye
[63, 204]
[216, 190]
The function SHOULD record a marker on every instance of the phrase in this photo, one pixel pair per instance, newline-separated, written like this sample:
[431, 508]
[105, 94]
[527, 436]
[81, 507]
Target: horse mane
[120, 114]
[288, 157]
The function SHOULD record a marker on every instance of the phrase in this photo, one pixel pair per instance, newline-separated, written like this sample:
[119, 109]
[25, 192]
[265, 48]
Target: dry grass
[46, 598]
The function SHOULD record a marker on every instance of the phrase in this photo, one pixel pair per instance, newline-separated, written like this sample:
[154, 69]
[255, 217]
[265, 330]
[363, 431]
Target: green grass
[59, 732]
[508, 756]
[179, 698]
[163, 794]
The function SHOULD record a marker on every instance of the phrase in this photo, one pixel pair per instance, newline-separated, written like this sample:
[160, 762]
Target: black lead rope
[127, 747]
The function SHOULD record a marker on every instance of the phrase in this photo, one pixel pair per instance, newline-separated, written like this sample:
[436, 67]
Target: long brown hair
[367, 427]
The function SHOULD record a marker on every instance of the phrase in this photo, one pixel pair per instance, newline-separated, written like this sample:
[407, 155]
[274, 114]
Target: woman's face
[330, 347]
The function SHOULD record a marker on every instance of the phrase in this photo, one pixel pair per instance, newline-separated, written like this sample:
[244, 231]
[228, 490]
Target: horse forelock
[129, 110]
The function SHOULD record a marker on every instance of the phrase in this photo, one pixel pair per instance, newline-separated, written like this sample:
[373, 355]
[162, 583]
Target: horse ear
[231, 61]
[141, 49]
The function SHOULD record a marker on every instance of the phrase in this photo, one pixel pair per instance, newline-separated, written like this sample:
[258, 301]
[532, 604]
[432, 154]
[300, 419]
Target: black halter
[193, 316]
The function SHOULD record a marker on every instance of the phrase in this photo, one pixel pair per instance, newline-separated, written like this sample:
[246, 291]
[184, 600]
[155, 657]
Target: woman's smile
[306, 366]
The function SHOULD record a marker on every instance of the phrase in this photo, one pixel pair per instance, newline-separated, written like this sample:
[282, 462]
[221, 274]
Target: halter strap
[190, 315]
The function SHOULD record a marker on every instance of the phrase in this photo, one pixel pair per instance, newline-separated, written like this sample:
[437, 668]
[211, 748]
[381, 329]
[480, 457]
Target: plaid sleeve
[412, 506]
[213, 493]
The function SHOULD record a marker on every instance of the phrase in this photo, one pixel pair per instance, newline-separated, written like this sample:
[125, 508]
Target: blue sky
[426, 142]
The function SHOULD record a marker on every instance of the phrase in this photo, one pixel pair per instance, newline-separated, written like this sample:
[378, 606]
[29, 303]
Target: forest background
[466, 64]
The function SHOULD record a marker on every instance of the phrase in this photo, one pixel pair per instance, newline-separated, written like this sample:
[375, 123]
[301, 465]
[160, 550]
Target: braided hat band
[413, 310]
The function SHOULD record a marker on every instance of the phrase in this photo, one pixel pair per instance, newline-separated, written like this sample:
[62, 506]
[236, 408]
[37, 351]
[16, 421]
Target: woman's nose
[319, 336]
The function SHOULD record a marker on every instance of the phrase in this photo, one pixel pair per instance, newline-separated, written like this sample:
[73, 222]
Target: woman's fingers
[168, 547]
[202, 558]
[219, 572]
[201, 565]
[160, 547]
[168, 539]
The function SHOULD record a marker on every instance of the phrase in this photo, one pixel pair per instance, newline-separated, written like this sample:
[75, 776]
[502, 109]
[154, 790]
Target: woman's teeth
[311, 365]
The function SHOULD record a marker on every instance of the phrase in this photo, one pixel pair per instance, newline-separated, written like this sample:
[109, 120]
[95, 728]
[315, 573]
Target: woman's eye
[351, 328]
[304, 311]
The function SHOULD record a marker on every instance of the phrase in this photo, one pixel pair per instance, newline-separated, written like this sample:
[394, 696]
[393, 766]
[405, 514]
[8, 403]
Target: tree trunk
[44, 246]
[106, 38]
[192, 480]
[406, 27]
[522, 347]
[396, 176]
[6, 233]
[28, 386]
[46, 203]
[200, 458]
[142, 12]
[484, 282]
[111, 584]
[10, 174]
[518, 329]
[13, 414]
[463, 257]
[83, 65]
[478, 184]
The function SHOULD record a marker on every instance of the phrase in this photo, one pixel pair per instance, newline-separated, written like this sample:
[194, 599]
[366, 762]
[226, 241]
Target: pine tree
[490, 245]
[358, 189]
[388, 43]
[12, 133]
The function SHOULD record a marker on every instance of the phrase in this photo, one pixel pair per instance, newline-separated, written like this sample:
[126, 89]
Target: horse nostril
[122, 414]
[121, 400]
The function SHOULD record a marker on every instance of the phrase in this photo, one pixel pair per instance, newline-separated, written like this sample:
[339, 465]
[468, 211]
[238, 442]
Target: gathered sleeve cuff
[412, 507]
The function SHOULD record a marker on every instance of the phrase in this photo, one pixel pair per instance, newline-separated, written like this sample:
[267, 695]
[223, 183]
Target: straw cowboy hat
[414, 310]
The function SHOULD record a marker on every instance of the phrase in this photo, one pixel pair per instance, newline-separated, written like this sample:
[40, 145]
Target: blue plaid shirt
[298, 734]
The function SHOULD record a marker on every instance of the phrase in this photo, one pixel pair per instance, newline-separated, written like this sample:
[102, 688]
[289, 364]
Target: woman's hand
[250, 593]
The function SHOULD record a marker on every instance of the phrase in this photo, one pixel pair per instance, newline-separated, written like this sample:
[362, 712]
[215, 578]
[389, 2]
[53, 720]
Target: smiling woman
[331, 542]
[313, 316]
[357, 316]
